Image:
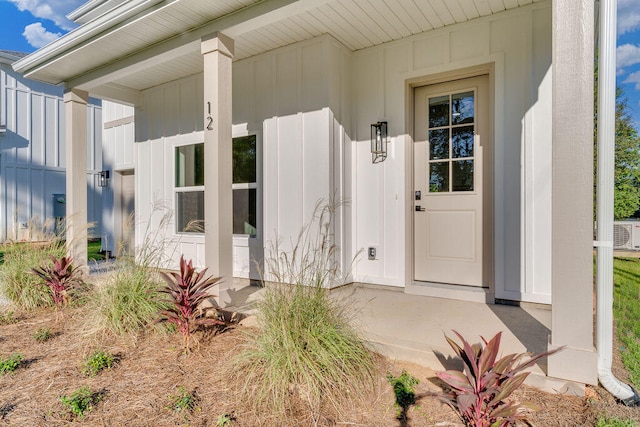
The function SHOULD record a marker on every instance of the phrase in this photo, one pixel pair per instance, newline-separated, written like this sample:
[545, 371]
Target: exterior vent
[3, 129]
[626, 235]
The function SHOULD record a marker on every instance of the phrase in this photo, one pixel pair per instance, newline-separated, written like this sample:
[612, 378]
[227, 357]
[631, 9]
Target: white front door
[450, 131]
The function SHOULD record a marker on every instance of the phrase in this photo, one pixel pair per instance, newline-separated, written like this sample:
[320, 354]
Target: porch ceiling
[155, 41]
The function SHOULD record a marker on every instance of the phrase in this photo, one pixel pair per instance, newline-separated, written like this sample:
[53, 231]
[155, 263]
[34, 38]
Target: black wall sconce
[103, 179]
[378, 142]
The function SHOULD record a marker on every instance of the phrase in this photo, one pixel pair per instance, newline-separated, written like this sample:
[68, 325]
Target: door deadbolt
[418, 195]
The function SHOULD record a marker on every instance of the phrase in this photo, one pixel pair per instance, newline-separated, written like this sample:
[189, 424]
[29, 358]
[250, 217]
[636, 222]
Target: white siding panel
[32, 152]
[291, 170]
[518, 42]
[22, 127]
[62, 150]
[38, 196]
[430, 51]
[51, 131]
[37, 131]
[316, 162]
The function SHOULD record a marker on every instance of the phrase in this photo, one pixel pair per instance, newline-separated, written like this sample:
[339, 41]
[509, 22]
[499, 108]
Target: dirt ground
[136, 392]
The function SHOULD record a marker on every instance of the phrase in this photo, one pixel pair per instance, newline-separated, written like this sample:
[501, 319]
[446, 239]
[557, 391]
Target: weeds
[225, 420]
[7, 318]
[305, 350]
[42, 335]
[404, 391]
[183, 402]
[187, 290]
[97, 362]
[10, 364]
[614, 422]
[80, 401]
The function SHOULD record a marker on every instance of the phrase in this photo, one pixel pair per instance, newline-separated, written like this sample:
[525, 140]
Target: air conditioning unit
[626, 235]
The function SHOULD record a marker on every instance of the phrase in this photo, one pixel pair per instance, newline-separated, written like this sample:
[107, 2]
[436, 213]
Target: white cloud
[628, 16]
[38, 36]
[627, 54]
[633, 78]
[54, 10]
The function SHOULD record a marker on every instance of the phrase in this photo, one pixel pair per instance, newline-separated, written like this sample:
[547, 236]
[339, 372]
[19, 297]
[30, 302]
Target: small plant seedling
[80, 401]
[97, 362]
[225, 420]
[10, 363]
[42, 334]
[7, 318]
[183, 402]
[404, 390]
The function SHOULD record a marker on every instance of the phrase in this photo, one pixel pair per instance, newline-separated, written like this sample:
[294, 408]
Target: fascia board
[76, 37]
[83, 9]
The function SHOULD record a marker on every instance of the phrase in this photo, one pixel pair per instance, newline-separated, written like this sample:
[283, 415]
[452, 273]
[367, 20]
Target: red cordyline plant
[479, 393]
[60, 276]
[187, 290]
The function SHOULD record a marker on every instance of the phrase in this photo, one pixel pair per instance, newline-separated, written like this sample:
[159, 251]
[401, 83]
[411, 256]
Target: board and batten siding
[117, 157]
[518, 44]
[296, 100]
[32, 154]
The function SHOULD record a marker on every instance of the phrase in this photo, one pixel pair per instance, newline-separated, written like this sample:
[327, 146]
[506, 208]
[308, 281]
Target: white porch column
[75, 109]
[572, 186]
[217, 50]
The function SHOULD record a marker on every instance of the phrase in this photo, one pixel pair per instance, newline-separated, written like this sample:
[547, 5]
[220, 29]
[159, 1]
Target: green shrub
[10, 364]
[404, 391]
[305, 343]
[80, 401]
[7, 318]
[42, 335]
[97, 362]
[17, 282]
[127, 303]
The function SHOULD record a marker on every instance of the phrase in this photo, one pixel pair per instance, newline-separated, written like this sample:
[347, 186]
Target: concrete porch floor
[411, 328]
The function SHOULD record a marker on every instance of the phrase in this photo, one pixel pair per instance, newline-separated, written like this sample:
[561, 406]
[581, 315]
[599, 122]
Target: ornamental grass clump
[479, 394]
[17, 282]
[60, 277]
[186, 291]
[305, 354]
[127, 303]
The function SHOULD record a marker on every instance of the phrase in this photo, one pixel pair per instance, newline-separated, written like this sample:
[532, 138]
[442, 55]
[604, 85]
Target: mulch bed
[150, 368]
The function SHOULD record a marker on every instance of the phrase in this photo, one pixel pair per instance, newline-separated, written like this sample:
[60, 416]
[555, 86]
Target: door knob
[419, 208]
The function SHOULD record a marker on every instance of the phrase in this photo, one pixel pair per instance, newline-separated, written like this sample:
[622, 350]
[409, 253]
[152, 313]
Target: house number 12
[209, 119]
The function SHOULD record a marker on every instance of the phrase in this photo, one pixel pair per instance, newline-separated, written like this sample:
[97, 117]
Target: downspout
[604, 204]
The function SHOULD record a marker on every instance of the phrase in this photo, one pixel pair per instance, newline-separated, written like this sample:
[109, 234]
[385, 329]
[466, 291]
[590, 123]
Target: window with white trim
[245, 186]
[189, 188]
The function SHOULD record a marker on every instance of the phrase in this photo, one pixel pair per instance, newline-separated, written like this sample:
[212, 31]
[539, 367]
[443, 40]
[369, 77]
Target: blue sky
[26, 25]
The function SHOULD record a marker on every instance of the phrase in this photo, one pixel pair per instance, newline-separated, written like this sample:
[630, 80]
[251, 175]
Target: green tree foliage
[627, 155]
